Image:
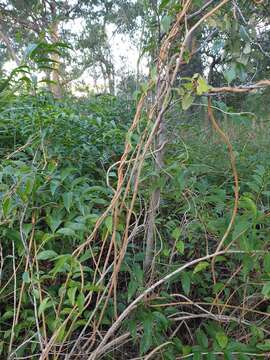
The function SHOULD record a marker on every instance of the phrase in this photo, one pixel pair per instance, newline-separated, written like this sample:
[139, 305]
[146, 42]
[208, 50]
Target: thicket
[114, 209]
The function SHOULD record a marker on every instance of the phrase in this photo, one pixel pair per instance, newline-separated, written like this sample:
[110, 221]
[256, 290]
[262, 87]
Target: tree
[24, 22]
[35, 20]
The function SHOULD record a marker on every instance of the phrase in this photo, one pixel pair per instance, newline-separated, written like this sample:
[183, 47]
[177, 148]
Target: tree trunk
[110, 76]
[55, 77]
[159, 160]
[111, 84]
[155, 199]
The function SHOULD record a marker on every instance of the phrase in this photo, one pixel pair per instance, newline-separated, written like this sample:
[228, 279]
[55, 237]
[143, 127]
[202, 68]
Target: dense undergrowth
[53, 187]
[135, 226]
[54, 158]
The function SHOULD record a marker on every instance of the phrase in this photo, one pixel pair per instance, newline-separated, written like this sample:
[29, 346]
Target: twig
[236, 182]
[131, 306]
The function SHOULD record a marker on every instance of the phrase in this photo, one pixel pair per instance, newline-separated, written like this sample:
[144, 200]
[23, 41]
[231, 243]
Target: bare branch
[205, 6]
[240, 89]
[9, 46]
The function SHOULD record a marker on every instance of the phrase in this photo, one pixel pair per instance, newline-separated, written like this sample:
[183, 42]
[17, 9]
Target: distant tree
[26, 21]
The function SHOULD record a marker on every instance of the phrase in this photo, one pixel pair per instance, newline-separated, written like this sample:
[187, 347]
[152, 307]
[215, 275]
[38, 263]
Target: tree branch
[191, 16]
[9, 46]
[240, 89]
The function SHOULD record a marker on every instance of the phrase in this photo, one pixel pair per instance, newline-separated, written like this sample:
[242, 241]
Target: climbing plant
[144, 238]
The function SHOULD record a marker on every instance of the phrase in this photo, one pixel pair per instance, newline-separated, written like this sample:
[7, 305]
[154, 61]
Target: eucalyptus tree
[23, 22]
[82, 24]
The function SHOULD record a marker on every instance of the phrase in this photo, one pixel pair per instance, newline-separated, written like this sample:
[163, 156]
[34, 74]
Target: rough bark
[111, 84]
[55, 77]
[155, 198]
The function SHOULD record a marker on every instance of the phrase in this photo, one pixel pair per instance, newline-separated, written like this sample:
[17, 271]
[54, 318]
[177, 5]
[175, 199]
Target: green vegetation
[134, 222]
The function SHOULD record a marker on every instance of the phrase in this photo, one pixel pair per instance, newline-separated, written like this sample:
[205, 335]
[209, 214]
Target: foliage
[54, 161]
[54, 158]
[77, 182]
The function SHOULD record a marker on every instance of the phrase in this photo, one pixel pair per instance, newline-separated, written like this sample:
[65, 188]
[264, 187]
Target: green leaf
[264, 346]
[66, 231]
[249, 204]
[165, 23]
[180, 246]
[241, 71]
[71, 295]
[217, 287]
[28, 186]
[30, 50]
[161, 319]
[241, 227]
[178, 344]
[266, 263]
[22, 194]
[222, 340]
[45, 304]
[247, 49]
[163, 4]
[257, 333]
[67, 197]
[109, 224]
[46, 254]
[185, 280]
[36, 293]
[147, 338]
[200, 267]
[54, 185]
[88, 254]
[228, 356]
[61, 264]
[176, 233]
[202, 86]
[230, 75]
[187, 101]
[54, 221]
[196, 355]
[26, 277]
[7, 315]
[132, 328]
[26, 229]
[202, 339]
[6, 206]
[61, 334]
[132, 287]
[266, 289]
[93, 287]
[80, 301]
[47, 237]
[187, 350]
